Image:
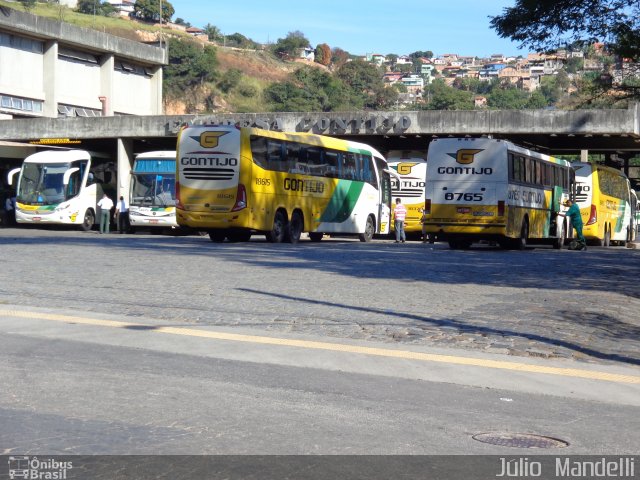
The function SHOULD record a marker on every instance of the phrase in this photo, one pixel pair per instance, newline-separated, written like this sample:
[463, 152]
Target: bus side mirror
[67, 175]
[11, 174]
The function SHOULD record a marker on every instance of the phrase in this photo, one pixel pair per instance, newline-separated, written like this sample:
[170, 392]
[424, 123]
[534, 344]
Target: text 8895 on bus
[486, 189]
[234, 181]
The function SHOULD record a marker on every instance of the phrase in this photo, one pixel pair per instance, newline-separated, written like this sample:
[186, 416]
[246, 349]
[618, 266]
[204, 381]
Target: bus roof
[303, 137]
[509, 146]
[157, 154]
[58, 156]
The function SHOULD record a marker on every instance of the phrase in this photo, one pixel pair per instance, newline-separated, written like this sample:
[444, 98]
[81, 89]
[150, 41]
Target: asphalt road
[152, 344]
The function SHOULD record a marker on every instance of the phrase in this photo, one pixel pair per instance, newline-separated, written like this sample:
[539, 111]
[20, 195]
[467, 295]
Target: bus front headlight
[62, 206]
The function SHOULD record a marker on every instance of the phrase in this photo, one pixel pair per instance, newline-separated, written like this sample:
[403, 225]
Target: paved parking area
[540, 302]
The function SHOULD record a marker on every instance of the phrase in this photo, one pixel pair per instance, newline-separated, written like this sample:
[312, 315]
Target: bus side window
[259, 151]
[275, 156]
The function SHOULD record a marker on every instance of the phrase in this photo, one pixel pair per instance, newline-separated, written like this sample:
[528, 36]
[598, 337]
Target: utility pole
[160, 23]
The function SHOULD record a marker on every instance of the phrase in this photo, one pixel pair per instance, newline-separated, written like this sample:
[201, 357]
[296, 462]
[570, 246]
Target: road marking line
[336, 347]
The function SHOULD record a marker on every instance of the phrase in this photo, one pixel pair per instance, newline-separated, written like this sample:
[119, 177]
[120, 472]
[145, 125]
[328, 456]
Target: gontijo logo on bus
[404, 168]
[465, 156]
[209, 139]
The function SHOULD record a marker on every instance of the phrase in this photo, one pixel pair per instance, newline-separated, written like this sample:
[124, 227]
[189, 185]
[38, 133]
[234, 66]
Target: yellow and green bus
[487, 189]
[603, 195]
[233, 182]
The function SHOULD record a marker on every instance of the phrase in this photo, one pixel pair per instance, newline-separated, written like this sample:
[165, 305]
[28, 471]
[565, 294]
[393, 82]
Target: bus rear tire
[239, 236]
[279, 229]
[217, 236]
[369, 230]
[316, 236]
[558, 243]
[88, 221]
[520, 243]
[295, 227]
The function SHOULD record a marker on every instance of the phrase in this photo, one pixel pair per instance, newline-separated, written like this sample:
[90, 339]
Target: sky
[361, 26]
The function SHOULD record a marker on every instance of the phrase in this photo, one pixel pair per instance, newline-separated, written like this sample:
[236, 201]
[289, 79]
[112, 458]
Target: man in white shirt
[122, 211]
[105, 204]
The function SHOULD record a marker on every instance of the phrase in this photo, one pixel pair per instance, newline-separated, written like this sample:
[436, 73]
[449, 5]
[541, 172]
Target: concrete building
[54, 69]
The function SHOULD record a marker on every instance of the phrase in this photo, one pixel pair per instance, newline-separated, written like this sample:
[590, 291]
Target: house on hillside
[376, 58]
[392, 77]
[195, 31]
[403, 60]
[307, 53]
[123, 7]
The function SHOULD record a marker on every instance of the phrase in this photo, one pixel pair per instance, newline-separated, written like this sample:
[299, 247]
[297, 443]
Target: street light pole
[160, 23]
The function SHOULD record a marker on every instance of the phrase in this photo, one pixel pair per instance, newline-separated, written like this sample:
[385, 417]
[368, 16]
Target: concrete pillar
[125, 165]
[156, 92]
[107, 71]
[50, 62]
[584, 155]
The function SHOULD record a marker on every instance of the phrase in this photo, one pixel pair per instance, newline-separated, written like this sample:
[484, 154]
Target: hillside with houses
[291, 74]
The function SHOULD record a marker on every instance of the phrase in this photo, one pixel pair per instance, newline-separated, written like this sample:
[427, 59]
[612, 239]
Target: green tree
[550, 24]
[289, 46]
[363, 78]
[442, 97]
[288, 97]
[190, 64]
[91, 7]
[339, 57]
[229, 79]
[239, 40]
[509, 98]
[537, 100]
[149, 10]
[28, 5]
[213, 33]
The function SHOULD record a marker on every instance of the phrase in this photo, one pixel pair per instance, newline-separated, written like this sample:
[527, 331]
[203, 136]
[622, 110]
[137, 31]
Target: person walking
[122, 211]
[399, 214]
[576, 221]
[10, 210]
[105, 204]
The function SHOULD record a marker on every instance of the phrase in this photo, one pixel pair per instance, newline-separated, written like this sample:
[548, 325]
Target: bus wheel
[277, 233]
[369, 230]
[521, 242]
[295, 227]
[239, 236]
[316, 236]
[558, 243]
[217, 236]
[88, 221]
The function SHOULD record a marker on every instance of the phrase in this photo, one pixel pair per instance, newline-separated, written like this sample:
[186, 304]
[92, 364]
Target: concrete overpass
[554, 131]
[615, 133]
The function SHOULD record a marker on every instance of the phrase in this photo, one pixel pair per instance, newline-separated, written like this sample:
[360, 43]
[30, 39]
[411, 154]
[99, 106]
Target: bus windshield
[42, 184]
[152, 190]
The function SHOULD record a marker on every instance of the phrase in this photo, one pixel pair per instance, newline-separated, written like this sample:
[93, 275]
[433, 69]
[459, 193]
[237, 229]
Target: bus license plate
[153, 221]
[36, 219]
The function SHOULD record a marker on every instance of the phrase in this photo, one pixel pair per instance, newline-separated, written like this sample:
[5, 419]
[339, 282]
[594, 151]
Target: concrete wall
[498, 122]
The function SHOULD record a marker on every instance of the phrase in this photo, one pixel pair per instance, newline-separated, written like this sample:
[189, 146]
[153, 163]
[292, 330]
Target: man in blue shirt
[576, 220]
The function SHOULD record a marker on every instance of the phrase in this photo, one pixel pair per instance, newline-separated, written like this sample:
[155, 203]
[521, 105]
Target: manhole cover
[520, 440]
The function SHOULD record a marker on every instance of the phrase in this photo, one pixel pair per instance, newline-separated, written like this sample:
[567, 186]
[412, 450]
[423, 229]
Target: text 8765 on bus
[487, 189]
[233, 182]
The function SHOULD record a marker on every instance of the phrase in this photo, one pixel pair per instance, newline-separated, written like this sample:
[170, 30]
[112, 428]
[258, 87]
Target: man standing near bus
[400, 213]
[576, 221]
[105, 204]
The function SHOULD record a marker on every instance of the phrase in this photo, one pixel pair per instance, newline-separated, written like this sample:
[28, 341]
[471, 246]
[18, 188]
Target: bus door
[384, 211]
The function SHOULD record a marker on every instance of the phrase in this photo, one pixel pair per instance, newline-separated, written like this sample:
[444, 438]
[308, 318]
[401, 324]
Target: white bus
[152, 199]
[486, 189]
[56, 188]
[408, 185]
